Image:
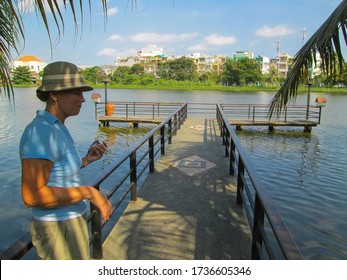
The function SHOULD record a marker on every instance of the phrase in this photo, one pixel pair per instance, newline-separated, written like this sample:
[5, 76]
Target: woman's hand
[95, 152]
[101, 202]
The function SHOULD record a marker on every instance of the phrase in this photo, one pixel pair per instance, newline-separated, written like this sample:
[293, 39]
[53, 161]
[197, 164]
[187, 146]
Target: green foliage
[118, 76]
[241, 72]
[180, 69]
[137, 69]
[94, 75]
[21, 76]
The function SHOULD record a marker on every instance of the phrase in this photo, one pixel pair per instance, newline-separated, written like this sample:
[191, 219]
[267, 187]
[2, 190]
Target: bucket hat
[61, 76]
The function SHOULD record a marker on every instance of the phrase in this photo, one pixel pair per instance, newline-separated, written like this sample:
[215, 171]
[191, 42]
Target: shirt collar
[46, 115]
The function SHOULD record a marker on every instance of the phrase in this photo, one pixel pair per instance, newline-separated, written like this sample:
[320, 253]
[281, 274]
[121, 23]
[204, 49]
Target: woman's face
[70, 102]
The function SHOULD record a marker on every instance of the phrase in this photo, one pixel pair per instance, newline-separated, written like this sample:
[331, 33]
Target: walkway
[186, 209]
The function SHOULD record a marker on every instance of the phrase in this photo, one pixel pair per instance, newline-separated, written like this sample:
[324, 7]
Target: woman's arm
[36, 193]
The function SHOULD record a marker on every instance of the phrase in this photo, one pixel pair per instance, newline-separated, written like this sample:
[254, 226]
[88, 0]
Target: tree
[180, 69]
[118, 76]
[94, 74]
[325, 41]
[137, 69]
[21, 76]
[240, 72]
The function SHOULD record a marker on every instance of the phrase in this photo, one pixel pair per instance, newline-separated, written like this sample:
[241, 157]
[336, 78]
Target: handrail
[166, 129]
[259, 112]
[257, 202]
[131, 109]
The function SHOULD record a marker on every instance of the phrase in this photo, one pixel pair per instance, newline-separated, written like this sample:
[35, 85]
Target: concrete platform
[186, 209]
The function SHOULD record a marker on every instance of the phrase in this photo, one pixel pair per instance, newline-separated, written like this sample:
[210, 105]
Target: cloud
[197, 48]
[28, 6]
[279, 30]
[112, 11]
[116, 53]
[161, 38]
[219, 40]
[108, 52]
[114, 37]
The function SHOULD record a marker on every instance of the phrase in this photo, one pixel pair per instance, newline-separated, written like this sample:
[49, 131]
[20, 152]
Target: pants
[62, 240]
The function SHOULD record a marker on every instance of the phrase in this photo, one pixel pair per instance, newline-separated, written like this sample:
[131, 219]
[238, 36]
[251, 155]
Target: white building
[151, 51]
[264, 64]
[34, 63]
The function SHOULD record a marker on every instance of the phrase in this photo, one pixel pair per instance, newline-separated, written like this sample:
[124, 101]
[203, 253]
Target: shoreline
[301, 89]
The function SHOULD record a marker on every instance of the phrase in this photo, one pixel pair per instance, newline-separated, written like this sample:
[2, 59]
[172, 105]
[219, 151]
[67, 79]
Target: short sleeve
[39, 141]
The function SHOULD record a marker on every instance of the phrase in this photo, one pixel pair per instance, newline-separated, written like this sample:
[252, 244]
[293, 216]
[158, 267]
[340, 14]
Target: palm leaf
[326, 42]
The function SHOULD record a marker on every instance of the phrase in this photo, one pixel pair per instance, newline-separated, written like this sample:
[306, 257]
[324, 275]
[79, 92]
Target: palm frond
[325, 42]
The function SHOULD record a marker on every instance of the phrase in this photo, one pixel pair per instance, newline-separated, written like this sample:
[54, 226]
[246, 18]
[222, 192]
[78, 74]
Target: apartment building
[284, 63]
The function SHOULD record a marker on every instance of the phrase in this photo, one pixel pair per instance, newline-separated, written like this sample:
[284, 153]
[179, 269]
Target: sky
[180, 27]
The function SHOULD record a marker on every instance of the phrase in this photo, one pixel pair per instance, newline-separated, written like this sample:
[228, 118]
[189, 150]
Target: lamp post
[106, 80]
[309, 84]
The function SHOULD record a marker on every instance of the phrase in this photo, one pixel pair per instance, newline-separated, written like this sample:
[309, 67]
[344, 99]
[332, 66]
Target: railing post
[253, 113]
[126, 111]
[179, 119]
[151, 154]
[153, 111]
[223, 133]
[232, 157]
[96, 230]
[170, 131]
[162, 139]
[227, 143]
[133, 177]
[175, 124]
[240, 175]
[258, 223]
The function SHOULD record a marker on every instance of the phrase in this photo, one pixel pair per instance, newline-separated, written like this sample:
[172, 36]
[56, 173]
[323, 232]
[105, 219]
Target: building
[205, 63]
[35, 64]
[151, 51]
[285, 61]
[264, 63]
[242, 54]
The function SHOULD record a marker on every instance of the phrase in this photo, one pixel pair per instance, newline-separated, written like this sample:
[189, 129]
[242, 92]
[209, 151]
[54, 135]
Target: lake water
[304, 173]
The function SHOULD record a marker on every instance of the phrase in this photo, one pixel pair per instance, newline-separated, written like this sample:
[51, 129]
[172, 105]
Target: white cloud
[116, 53]
[28, 6]
[161, 38]
[219, 40]
[197, 48]
[112, 11]
[108, 52]
[115, 37]
[279, 30]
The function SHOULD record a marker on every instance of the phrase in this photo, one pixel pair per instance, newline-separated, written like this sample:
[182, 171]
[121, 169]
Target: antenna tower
[278, 48]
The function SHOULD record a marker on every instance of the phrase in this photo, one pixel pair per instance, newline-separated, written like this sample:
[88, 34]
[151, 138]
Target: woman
[50, 184]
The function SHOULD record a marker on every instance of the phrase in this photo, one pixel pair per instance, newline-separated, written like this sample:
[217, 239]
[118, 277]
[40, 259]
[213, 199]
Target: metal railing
[270, 237]
[140, 159]
[260, 112]
[151, 110]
